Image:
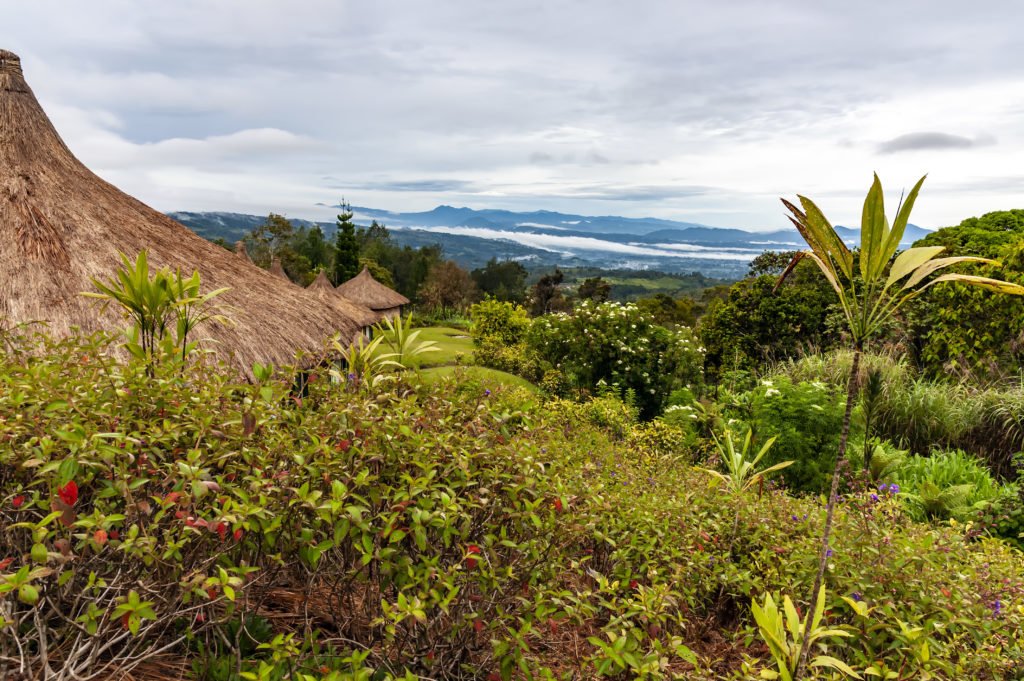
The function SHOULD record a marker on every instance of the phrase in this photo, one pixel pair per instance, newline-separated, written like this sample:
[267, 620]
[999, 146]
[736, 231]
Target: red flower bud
[558, 505]
[222, 531]
[238, 534]
[100, 537]
[633, 584]
[344, 445]
[18, 501]
[69, 493]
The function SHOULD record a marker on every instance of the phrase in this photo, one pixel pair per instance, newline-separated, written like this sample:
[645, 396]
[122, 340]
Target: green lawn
[450, 342]
[482, 374]
[453, 344]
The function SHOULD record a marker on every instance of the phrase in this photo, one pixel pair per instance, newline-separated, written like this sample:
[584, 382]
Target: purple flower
[856, 596]
[793, 518]
[487, 392]
[894, 488]
[883, 487]
[874, 497]
[828, 553]
[997, 607]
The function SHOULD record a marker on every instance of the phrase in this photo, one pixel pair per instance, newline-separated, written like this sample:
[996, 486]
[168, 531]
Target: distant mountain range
[544, 239]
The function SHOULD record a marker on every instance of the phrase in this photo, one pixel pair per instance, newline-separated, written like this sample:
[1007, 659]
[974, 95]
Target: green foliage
[617, 347]
[947, 484]
[546, 295]
[595, 289]
[503, 322]
[499, 339]
[783, 632]
[668, 311]
[418, 531]
[404, 341]
[805, 420]
[741, 468]
[504, 281]
[755, 323]
[448, 289]
[163, 307]
[919, 414]
[346, 247]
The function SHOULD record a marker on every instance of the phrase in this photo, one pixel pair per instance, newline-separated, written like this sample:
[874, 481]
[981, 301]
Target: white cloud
[688, 110]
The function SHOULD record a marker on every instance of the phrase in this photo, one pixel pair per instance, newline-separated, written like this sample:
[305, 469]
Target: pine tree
[346, 247]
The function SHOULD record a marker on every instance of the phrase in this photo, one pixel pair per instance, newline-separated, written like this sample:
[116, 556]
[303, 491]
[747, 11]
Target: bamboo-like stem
[830, 506]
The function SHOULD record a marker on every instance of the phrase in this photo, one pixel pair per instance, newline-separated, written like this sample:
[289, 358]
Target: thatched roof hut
[369, 292]
[61, 226]
[322, 288]
[277, 270]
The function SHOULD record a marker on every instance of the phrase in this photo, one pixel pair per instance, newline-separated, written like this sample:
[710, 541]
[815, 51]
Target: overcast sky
[699, 111]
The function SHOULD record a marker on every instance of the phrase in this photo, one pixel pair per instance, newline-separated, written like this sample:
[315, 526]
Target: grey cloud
[584, 98]
[430, 186]
[923, 141]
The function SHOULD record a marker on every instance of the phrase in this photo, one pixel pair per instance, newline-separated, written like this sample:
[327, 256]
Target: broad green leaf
[902, 219]
[832, 663]
[873, 227]
[981, 282]
[909, 260]
[933, 266]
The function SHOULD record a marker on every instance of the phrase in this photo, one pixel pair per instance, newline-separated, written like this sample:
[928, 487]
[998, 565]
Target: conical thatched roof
[323, 288]
[241, 251]
[369, 292]
[61, 226]
[277, 270]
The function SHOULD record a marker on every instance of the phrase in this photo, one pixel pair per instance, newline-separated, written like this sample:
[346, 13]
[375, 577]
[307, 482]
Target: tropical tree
[870, 292]
[346, 247]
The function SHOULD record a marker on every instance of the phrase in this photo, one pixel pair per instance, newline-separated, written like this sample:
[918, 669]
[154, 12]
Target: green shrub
[445, 531]
[947, 484]
[504, 322]
[619, 347]
[805, 419]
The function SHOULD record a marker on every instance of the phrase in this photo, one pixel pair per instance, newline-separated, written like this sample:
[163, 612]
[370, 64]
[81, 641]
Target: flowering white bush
[619, 348]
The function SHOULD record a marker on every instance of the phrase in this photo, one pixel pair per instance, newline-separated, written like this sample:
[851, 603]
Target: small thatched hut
[369, 292]
[278, 270]
[323, 289]
[61, 226]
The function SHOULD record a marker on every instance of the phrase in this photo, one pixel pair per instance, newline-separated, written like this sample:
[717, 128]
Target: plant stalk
[830, 506]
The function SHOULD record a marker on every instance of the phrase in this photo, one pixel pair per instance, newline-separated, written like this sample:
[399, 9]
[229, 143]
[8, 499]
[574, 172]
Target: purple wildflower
[874, 497]
[856, 596]
[894, 488]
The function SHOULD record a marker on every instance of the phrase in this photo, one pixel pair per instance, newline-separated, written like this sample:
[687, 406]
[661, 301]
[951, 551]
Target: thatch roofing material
[277, 270]
[369, 292]
[322, 288]
[61, 226]
[241, 251]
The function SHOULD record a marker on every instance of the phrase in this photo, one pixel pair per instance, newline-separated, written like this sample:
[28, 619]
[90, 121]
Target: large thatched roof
[322, 288]
[369, 292]
[62, 226]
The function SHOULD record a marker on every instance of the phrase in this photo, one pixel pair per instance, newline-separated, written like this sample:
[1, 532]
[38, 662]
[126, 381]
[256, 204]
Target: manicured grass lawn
[450, 342]
[483, 374]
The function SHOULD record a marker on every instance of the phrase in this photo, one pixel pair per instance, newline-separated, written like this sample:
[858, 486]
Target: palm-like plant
[870, 293]
[742, 472]
[399, 336]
